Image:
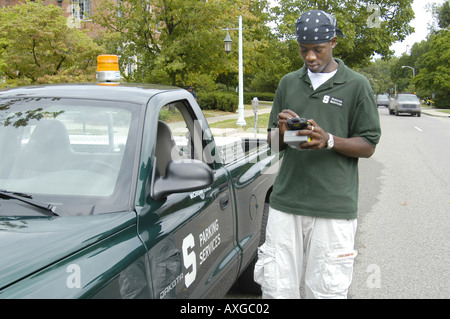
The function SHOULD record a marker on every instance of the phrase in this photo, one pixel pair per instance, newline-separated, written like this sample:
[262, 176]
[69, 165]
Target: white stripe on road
[418, 129]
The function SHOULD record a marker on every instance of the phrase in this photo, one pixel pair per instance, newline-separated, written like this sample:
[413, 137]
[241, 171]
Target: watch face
[330, 142]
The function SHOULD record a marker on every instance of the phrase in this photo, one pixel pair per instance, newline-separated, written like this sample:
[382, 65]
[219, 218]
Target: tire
[245, 281]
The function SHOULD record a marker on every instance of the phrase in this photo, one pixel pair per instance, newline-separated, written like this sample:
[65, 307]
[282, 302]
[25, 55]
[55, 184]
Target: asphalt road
[403, 237]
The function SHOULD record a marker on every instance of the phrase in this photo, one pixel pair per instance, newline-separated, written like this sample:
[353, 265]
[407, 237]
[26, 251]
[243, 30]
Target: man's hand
[318, 137]
[352, 147]
[282, 120]
[276, 136]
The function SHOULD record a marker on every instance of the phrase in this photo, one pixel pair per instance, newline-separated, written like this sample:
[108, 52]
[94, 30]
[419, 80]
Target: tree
[180, 42]
[444, 15]
[176, 42]
[37, 46]
[403, 76]
[434, 76]
[379, 75]
[369, 27]
[431, 61]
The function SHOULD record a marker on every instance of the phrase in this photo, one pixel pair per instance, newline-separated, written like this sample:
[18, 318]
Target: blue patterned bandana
[316, 26]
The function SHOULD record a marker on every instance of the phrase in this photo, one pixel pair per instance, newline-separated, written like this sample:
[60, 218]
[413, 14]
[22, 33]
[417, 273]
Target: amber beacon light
[108, 69]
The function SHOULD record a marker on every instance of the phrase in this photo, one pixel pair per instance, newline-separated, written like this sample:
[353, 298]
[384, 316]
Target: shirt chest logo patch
[332, 100]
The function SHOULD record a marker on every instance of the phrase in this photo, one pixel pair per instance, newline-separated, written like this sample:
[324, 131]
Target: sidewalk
[434, 112]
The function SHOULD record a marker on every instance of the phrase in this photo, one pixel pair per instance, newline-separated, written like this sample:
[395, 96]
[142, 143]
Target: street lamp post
[227, 41]
[414, 70]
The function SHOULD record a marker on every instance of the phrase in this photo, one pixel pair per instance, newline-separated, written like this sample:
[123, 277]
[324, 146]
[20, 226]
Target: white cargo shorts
[325, 245]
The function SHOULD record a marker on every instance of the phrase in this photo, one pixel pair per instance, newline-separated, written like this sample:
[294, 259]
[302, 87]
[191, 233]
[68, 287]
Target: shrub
[223, 101]
[228, 101]
[248, 96]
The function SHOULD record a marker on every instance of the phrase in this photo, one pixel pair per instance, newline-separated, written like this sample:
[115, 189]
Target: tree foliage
[177, 42]
[180, 42]
[430, 59]
[434, 76]
[379, 75]
[37, 46]
[444, 15]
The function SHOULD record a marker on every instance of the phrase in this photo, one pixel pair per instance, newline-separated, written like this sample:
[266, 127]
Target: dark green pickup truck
[123, 192]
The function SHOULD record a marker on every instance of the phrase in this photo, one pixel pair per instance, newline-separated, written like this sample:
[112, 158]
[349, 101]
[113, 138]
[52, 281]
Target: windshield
[73, 153]
[407, 98]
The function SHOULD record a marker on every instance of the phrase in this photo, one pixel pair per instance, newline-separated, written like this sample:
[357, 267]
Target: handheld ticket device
[295, 124]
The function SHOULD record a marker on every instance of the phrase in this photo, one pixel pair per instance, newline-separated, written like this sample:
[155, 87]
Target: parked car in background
[383, 100]
[405, 103]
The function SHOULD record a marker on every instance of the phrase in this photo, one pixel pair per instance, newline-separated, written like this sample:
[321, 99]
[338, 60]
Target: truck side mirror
[181, 176]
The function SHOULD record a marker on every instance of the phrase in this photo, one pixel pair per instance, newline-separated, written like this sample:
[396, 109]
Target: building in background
[78, 10]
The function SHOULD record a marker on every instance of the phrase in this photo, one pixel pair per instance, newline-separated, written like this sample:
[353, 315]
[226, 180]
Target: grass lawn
[439, 110]
[263, 120]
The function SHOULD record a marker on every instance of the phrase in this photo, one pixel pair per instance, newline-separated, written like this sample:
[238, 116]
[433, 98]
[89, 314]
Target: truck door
[190, 237]
[249, 163]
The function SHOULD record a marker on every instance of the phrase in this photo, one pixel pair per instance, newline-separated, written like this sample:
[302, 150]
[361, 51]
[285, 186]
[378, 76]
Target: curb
[436, 113]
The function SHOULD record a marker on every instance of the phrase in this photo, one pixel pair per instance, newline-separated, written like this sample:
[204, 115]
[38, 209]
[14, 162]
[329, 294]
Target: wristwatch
[330, 142]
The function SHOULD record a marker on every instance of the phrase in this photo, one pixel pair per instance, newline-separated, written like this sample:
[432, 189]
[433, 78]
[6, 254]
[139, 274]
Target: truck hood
[28, 244]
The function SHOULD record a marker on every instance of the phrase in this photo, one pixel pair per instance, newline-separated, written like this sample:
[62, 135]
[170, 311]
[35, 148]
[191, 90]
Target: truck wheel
[246, 282]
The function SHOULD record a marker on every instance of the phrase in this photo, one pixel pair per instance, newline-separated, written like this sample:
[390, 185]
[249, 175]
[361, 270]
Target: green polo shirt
[324, 183]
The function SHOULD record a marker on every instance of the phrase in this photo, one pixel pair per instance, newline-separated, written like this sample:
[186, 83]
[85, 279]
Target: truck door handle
[224, 201]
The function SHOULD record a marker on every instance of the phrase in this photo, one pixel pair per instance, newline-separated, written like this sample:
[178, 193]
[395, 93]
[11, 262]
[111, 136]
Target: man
[313, 206]
[191, 90]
